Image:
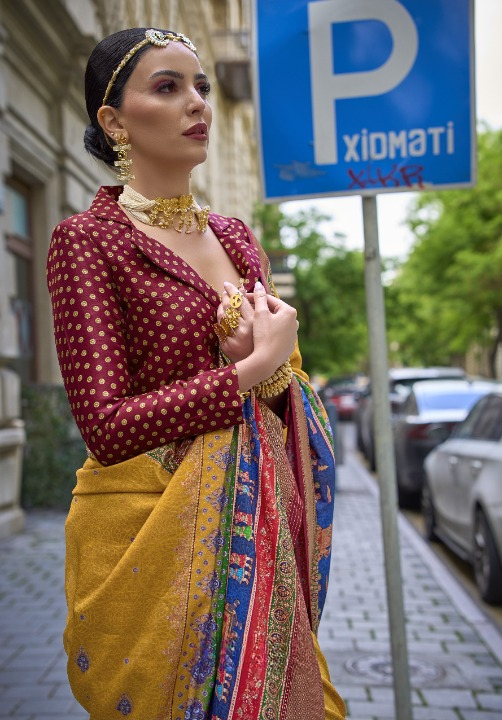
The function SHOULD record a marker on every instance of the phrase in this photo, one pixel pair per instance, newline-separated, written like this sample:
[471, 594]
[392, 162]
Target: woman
[198, 539]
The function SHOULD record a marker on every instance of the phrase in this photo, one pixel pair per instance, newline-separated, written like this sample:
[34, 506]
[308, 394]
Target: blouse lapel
[231, 232]
[233, 235]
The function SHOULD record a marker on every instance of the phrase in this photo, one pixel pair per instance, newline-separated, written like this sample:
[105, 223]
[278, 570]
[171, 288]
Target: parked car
[462, 494]
[426, 418]
[401, 381]
[343, 393]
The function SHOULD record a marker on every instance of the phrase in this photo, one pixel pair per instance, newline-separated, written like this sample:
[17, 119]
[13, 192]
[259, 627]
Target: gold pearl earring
[123, 162]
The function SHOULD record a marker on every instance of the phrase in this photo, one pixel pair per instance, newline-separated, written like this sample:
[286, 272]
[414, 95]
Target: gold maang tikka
[123, 162]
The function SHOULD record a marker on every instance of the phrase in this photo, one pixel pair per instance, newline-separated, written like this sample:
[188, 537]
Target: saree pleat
[196, 574]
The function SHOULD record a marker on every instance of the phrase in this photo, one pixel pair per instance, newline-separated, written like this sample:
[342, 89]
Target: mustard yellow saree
[197, 573]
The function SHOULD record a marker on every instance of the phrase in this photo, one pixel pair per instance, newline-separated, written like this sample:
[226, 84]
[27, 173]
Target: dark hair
[102, 63]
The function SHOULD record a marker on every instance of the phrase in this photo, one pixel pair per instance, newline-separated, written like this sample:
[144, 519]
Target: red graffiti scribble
[407, 175]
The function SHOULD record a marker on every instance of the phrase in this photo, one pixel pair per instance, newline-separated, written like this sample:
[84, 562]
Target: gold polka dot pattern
[133, 329]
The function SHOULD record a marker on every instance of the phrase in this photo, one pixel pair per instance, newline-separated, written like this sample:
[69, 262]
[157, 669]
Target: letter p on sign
[328, 87]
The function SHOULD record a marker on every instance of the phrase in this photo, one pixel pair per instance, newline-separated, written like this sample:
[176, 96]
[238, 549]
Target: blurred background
[442, 252]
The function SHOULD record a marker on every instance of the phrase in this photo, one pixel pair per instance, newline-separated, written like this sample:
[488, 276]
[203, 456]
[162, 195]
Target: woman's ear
[108, 119]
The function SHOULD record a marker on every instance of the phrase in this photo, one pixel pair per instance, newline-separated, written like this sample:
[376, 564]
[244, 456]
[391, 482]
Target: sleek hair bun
[96, 145]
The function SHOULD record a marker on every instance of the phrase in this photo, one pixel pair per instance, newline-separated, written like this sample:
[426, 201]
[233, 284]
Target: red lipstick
[197, 132]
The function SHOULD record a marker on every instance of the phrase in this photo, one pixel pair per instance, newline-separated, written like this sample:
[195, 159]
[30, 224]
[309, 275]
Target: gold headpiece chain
[152, 37]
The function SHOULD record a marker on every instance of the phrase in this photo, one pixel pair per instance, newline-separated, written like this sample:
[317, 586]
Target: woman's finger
[260, 297]
[273, 302]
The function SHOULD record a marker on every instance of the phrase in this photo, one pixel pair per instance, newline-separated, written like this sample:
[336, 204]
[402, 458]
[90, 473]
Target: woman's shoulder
[104, 204]
[72, 222]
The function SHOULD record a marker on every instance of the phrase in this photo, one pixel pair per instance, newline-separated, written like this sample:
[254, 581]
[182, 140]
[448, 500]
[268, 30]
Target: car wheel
[406, 499]
[487, 565]
[371, 455]
[428, 513]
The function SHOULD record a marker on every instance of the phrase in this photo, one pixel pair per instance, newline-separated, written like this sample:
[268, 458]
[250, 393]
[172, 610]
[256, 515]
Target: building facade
[46, 175]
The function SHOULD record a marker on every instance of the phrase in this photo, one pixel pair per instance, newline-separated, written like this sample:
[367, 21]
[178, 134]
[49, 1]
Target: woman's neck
[165, 186]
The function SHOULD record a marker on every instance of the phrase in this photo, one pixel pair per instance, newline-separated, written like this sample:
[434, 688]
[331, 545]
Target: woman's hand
[275, 329]
[239, 346]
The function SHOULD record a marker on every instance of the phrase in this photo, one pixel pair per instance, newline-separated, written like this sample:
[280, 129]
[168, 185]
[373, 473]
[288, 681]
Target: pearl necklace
[180, 213]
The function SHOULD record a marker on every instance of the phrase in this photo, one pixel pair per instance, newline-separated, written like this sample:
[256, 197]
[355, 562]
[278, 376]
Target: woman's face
[165, 110]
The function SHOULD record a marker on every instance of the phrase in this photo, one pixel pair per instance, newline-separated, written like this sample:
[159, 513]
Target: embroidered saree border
[197, 670]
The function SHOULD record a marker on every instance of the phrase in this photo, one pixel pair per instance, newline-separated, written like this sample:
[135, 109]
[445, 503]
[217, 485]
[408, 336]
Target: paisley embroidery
[124, 705]
[82, 659]
[171, 456]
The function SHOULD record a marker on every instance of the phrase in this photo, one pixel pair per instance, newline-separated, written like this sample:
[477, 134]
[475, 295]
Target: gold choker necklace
[180, 213]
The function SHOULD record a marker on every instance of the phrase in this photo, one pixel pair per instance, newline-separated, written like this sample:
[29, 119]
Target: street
[459, 568]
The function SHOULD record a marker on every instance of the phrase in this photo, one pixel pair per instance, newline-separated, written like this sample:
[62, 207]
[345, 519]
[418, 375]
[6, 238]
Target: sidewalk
[455, 652]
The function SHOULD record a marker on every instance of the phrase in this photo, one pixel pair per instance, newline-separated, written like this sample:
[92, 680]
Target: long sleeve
[97, 363]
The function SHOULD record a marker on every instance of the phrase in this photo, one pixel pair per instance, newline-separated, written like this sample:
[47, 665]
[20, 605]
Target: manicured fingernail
[258, 285]
[226, 285]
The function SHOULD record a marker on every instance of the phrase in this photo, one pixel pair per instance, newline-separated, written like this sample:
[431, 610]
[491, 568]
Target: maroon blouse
[133, 328]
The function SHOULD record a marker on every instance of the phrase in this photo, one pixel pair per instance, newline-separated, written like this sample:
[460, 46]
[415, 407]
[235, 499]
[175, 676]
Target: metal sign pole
[385, 458]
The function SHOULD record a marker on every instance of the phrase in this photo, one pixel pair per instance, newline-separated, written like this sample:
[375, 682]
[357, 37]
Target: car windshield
[448, 401]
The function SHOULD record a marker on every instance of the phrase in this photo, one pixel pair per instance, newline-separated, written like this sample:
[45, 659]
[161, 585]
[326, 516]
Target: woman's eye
[204, 89]
[166, 87]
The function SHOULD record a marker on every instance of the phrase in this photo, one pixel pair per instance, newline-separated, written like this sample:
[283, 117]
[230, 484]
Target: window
[19, 243]
[410, 406]
[484, 422]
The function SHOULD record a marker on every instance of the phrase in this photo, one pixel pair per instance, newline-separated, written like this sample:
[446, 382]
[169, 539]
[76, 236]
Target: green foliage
[329, 289]
[450, 288]
[54, 449]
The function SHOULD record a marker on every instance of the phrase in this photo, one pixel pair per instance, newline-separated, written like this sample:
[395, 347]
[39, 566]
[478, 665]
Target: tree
[450, 288]
[329, 289]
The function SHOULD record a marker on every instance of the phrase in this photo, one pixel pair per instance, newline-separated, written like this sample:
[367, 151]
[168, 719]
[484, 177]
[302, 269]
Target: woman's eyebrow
[171, 73]
[177, 75]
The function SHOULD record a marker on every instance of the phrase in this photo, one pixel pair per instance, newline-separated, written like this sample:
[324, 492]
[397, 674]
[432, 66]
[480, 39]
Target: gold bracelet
[277, 383]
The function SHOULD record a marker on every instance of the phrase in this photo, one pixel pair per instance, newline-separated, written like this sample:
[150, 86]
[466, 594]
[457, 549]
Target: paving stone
[427, 713]
[77, 712]
[20, 692]
[355, 692]
[30, 659]
[21, 677]
[372, 709]
[464, 648]
[449, 698]
[490, 702]
[10, 705]
[49, 706]
[425, 646]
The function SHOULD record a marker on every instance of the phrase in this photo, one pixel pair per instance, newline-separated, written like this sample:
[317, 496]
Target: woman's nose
[196, 102]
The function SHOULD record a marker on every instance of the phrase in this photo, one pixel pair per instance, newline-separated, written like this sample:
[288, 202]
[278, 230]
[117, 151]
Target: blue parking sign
[364, 96]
